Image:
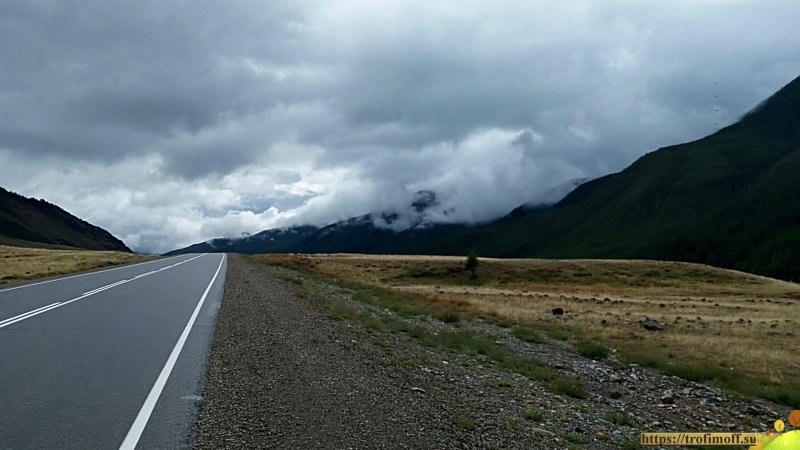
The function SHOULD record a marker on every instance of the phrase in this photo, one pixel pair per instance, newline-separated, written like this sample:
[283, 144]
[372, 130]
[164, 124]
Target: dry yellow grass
[715, 317]
[20, 264]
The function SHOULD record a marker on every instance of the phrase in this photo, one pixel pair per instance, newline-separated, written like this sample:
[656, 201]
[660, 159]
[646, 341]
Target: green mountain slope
[731, 199]
[30, 222]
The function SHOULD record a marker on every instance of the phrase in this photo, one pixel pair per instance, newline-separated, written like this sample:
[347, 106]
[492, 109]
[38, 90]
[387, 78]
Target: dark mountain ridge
[369, 233]
[377, 232]
[729, 199]
[26, 221]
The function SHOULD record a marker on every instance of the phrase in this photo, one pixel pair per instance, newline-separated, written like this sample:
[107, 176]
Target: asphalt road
[109, 359]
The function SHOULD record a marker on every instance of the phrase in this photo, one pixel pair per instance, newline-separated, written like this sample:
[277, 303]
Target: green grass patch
[630, 445]
[785, 394]
[683, 365]
[417, 332]
[293, 280]
[409, 305]
[559, 335]
[528, 367]
[527, 334]
[569, 387]
[448, 316]
[467, 343]
[341, 311]
[465, 423]
[619, 418]
[497, 384]
[402, 303]
[699, 373]
[593, 350]
[576, 441]
[384, 324]
[472, 344]
[513, 425]
[534, 415]
[406, 361]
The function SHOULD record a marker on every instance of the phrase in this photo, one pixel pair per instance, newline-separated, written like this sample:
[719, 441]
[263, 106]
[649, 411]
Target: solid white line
[28, 313]
[135, 432]
[86, 274]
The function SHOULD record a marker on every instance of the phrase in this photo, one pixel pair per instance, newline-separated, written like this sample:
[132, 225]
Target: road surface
[110, 359]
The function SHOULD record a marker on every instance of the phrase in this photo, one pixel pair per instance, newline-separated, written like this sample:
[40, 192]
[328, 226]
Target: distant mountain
[546, 201]
[730, 199]
[279, 240]
[30, 222]
[383, 232]
[370, 233]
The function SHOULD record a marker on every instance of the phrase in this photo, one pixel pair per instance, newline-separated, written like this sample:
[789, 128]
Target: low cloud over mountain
[172, 123]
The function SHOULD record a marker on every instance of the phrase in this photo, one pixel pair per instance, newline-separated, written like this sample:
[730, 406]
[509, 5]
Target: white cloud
[168, 125]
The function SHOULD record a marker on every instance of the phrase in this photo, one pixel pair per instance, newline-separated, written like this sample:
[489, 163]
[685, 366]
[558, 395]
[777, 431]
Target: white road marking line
[108, 286]
[145, 274]
[36, 312]
[135, 432]
[86, 274]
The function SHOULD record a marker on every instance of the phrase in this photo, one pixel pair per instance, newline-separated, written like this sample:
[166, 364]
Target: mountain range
[28, 222]
[729, 199]
[381, 232]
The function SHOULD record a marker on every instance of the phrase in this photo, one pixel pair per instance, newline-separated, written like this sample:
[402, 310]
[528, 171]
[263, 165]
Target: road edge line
[137, 428]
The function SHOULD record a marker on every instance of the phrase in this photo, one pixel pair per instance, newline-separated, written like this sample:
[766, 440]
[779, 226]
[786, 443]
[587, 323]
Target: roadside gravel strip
[284, 375]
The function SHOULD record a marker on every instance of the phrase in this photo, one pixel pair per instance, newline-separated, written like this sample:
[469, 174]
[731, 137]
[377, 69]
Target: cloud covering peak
[172, 123]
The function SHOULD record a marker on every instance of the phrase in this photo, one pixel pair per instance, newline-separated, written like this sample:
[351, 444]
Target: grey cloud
[245, 114]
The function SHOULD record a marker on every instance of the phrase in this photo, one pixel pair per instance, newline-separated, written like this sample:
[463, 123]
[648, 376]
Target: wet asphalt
[76, 366]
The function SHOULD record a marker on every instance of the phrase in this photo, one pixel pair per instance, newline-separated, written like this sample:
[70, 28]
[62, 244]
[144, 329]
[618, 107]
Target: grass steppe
[728, 328]
[23, 264]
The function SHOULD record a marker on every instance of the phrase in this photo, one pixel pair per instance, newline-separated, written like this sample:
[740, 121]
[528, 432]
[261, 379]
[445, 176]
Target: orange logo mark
[794, 418]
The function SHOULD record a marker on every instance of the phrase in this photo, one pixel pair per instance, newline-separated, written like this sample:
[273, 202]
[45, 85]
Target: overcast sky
[169, 123]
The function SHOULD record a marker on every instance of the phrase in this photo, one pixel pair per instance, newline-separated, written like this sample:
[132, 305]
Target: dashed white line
[135, 432]
[85, 274]
[44, 309]
[145, 274]
[108, 286]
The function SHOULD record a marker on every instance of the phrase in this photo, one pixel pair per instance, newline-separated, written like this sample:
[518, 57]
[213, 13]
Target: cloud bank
[172, 123]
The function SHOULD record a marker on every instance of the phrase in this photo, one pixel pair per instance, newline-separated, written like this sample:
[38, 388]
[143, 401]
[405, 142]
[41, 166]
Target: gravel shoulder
[285, 373]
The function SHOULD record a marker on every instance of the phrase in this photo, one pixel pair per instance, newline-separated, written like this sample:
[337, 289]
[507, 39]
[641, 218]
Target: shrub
[570, 387]
[534, 415]
[472, 264]
[465, 423]
[527, 334]
[592, 350]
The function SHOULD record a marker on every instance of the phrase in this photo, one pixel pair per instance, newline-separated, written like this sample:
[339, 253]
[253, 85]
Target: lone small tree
[472, 264]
